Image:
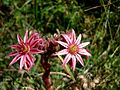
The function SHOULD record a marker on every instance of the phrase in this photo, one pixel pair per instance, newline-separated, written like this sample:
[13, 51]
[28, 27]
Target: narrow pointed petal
[20, 41]
[32, 40]
[66, 60]
[22, 62]
[30, 59]
[16, 58]
[79, 58]
[83, 44]
[84, 52]
[62, 52]
[16, 46]
[63, 44]
[13, 53]
[32, 44]
[32, 37]
[73, 36]
[35, 51]
[67, 38]
[26, 66]
[73, 62]
[26, 37]
[78, 39]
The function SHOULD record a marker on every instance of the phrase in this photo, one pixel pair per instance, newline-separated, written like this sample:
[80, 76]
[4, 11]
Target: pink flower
[25, 50]
[73, 49]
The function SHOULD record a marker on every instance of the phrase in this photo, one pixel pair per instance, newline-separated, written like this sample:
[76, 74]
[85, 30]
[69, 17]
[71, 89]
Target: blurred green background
[97, 20]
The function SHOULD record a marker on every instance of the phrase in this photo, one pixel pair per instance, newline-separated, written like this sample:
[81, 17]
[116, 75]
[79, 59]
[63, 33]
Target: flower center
[25, 48]
[73, 49]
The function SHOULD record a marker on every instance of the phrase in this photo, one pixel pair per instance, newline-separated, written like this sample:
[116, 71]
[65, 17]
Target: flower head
[25, 50]
[73, 49]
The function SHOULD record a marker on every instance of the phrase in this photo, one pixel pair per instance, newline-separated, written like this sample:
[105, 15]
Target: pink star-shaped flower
[73, 49]
[25, 50]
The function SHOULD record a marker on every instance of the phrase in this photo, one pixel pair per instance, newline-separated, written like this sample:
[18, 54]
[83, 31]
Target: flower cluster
[34, 44]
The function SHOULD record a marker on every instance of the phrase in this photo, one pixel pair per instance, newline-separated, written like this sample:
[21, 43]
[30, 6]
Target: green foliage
[98, 24]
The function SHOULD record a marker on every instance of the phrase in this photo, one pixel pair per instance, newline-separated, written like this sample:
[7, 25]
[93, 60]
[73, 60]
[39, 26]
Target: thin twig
[56, 73]
[96, 7]
[115, 51]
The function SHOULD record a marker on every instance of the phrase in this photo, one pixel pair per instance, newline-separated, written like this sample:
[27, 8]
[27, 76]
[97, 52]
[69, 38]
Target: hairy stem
[46, 76]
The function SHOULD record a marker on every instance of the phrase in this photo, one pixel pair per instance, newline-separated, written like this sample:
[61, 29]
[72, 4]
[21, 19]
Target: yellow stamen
[73, 48]
[25, 49]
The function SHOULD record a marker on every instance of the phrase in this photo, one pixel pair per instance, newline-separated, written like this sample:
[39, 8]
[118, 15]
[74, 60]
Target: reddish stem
[46, 76]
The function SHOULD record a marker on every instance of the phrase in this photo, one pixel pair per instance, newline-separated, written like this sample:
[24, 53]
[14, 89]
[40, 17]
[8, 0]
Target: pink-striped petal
[26, 67]
[20, 41]
[79, 58]
[22, 61]
[16, 58]
[67, 58]
[78, 40]
[63, 44]
[73, 39]
[83, 44]
[32, 37]
[28, 63]
[62, 52]
[84, 52]
[30, 59]
[16, 46]
[13, 53]
[26, 36]
[67, 38]
[73, 62]
[33, 43]
[35, 51]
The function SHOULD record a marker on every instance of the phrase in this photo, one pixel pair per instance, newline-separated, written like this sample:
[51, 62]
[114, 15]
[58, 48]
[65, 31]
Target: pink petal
[30, 59]
[16, 46]
[33, 43]
[35, 51]
[16, 58]
[26, 67]
[32, 40]
[67, 38]
[73, 62]
[32, 37]
[79, 58]
[83, 44]
[20, 41]
[66, 60]
[62, 52]
[63, 44]
[78, 39]
[84, 52]
[73, 36]
[26, 37]
[13, 53]
[22, 61]
[28, 63]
